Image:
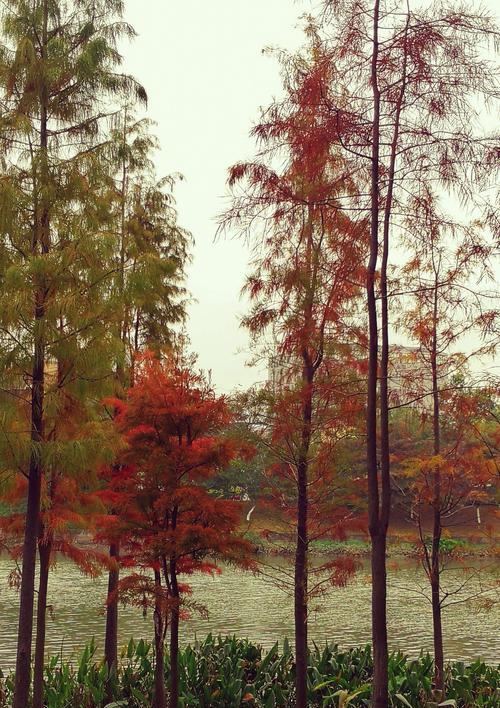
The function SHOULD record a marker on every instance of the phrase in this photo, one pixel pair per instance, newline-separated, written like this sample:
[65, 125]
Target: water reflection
[250, 606]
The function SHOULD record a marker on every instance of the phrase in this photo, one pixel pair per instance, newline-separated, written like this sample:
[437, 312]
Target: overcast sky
[203, 68]
[205, 74]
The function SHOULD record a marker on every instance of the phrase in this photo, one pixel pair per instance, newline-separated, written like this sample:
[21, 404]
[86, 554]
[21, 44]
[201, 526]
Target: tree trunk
[300, 591]
[378, 509]
[159, 676]
[27, 592]
[174, 638]
[437, 627]
[41, 243]
[301, 551]
[379, 621]
[435, 570]
[111, 634]
[44, 554]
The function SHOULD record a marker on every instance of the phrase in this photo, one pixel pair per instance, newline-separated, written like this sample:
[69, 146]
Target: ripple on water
[250, 606]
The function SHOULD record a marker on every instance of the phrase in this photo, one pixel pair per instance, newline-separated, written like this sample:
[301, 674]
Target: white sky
[202, 65]
[203, 68]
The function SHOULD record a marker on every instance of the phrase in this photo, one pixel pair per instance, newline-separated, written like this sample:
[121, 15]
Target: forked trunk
[44, 554]
[379, 491]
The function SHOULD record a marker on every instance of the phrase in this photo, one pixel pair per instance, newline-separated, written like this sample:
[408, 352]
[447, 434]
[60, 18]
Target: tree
[168, 522]
[151, 248]
[402, 119]
[58, 73]
[68, 502]
[150, 252]
[303, 288]
[443, 303]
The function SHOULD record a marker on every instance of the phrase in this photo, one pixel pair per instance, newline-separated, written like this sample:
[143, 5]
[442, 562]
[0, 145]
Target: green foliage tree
[149, 255]
[59, 74]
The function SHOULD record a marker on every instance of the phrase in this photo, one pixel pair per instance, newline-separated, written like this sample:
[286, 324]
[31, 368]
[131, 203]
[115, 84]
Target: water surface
[250, 606]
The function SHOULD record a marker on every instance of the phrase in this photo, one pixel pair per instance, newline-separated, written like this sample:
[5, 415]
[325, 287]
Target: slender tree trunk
[379, 620]
[301, 551]
[159, 676]
[41, 243]
[377, 534]
[44, 554]
[436, 611]
[300, 600]
[111, 632]
[174, 637]
[378, 491]
[435, 570]
[27, 592]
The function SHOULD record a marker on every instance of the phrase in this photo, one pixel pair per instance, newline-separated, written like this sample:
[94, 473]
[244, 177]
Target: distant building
[410, 376]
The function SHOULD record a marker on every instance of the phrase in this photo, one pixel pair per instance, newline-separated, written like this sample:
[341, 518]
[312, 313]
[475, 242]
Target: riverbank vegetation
[369, 206]
[225, 672]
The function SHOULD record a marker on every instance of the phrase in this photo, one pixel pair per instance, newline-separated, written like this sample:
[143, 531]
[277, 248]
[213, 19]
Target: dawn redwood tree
[441, 487]
[271, 420]
[445, 298]
[75, 444]
[303, 290]
[151, 248]
[168, 522]
[150, 252]
[65, 509]
[58, 77]
[406, 83]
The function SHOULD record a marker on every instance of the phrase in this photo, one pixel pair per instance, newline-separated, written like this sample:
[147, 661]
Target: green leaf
[324, 684]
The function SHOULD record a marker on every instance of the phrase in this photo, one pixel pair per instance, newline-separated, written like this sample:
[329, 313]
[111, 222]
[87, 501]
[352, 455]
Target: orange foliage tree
[168, 522]
[75, 446]
[445, 296]
[308, 255]
[407, 83]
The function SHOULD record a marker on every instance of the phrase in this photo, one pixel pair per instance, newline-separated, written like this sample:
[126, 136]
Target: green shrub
[226, 672]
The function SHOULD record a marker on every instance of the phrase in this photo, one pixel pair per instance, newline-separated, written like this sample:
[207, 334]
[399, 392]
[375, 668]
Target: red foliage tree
[446, 297]
[407, 85]
[304, 288]
[75, 445]
[168, 522]
[68, 506]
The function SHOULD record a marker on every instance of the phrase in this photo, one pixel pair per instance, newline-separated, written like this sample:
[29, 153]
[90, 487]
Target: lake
[250, 606]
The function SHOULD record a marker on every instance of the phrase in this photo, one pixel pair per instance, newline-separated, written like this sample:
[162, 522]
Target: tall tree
[444, 302]
[304, 285]
[58, 73]
[402, 118]
[149, 259]
[68, 502]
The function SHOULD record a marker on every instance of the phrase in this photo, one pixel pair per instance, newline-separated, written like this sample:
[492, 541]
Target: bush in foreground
[226, 672]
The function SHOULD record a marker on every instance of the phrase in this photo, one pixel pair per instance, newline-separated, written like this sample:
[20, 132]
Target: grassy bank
[226, 672]
[283, 545]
